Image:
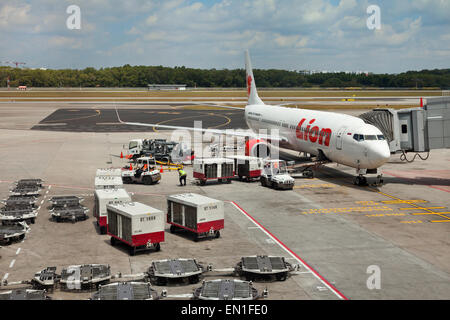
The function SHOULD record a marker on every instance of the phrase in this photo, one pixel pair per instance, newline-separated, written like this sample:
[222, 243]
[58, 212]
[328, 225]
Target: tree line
[141, 76]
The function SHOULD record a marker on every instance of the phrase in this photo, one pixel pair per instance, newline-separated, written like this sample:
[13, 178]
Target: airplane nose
[379, 155]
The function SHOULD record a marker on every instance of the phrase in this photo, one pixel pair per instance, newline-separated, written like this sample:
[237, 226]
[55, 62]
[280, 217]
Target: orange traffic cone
[131, 167]
[162, 170]
[121, 155]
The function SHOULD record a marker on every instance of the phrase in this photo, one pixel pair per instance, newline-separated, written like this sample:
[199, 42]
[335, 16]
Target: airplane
[331, 136]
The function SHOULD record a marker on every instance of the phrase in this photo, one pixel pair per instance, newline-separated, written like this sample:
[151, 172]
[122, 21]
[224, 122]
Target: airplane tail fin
[253, 97]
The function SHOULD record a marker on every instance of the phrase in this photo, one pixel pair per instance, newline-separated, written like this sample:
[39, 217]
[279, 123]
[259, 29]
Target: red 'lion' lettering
[299, 132]
[323, 133]
[314, 134]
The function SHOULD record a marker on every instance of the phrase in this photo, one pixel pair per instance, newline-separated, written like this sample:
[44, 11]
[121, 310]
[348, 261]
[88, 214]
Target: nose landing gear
[360, 180]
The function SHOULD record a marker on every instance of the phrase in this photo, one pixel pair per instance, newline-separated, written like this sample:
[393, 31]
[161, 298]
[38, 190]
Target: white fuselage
[342, 138]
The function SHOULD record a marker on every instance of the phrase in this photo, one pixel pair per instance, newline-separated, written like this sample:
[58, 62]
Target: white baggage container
[102, 197]
[213, 169]
[108, 183]
[247, 167]
[199, 214]
[139, 226]
[109, 172]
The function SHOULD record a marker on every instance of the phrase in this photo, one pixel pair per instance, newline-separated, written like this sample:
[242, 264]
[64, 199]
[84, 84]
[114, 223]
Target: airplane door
[339, 137]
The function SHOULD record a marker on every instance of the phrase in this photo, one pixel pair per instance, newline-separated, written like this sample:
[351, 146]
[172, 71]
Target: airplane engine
[257, 148]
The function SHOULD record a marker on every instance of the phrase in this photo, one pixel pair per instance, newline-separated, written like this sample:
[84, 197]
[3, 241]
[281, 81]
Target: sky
[327, 35]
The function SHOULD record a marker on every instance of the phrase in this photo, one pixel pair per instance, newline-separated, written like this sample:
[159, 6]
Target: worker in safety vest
[183, 176]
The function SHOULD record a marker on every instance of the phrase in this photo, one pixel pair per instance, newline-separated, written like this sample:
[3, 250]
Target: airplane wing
[236, 133]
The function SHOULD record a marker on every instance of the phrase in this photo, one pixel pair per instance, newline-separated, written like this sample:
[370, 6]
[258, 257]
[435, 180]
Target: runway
[105, 120]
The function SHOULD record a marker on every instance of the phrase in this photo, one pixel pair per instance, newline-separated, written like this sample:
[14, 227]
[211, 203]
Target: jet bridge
[414, 130]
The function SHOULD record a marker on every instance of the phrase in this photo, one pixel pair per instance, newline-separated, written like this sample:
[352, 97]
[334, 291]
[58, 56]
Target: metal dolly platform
[226, 290]
[15, 232]
[263, 267]
[66, 201]
[11, 214]
[186, 270]
[72, 214]
[24, 294]
[125, 291]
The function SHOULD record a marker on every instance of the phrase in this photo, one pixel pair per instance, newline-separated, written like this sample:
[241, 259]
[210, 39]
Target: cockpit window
[381, 137]
[358, 137]
[370, 137]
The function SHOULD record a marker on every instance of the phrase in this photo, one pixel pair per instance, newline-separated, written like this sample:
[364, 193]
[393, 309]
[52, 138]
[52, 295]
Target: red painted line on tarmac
[407, 178]
[336, 291]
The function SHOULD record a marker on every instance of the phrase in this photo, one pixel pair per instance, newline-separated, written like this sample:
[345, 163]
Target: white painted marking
[12, 263]
[290, 253]
[49, 187]
[5, 276]
[18, 251]
[42, 201]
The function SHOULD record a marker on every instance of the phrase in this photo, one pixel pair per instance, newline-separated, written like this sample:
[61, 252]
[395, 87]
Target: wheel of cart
[308, 174]
[263, 181]
[194, 279]
[160, 281]
[147, 180]
[281, 276]
[113, 241]
[127, 180]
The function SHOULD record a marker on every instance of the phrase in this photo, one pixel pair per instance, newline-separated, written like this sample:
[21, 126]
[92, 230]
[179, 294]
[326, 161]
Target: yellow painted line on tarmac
[412, 222]
[97, 114]
[412, 203]
[386, 215]
[313, 186]
[440, 221]
[399, 201]
[419, 208]
[196, 116]
[429, 213]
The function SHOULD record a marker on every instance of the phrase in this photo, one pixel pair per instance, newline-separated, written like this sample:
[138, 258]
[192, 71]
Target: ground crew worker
[183, 176]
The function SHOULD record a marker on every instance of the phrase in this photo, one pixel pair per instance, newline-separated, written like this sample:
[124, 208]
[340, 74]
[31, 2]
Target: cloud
[12, 16]
[291, 34]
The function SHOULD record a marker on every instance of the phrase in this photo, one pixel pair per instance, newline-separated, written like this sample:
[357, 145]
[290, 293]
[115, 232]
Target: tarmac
[336, 232]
